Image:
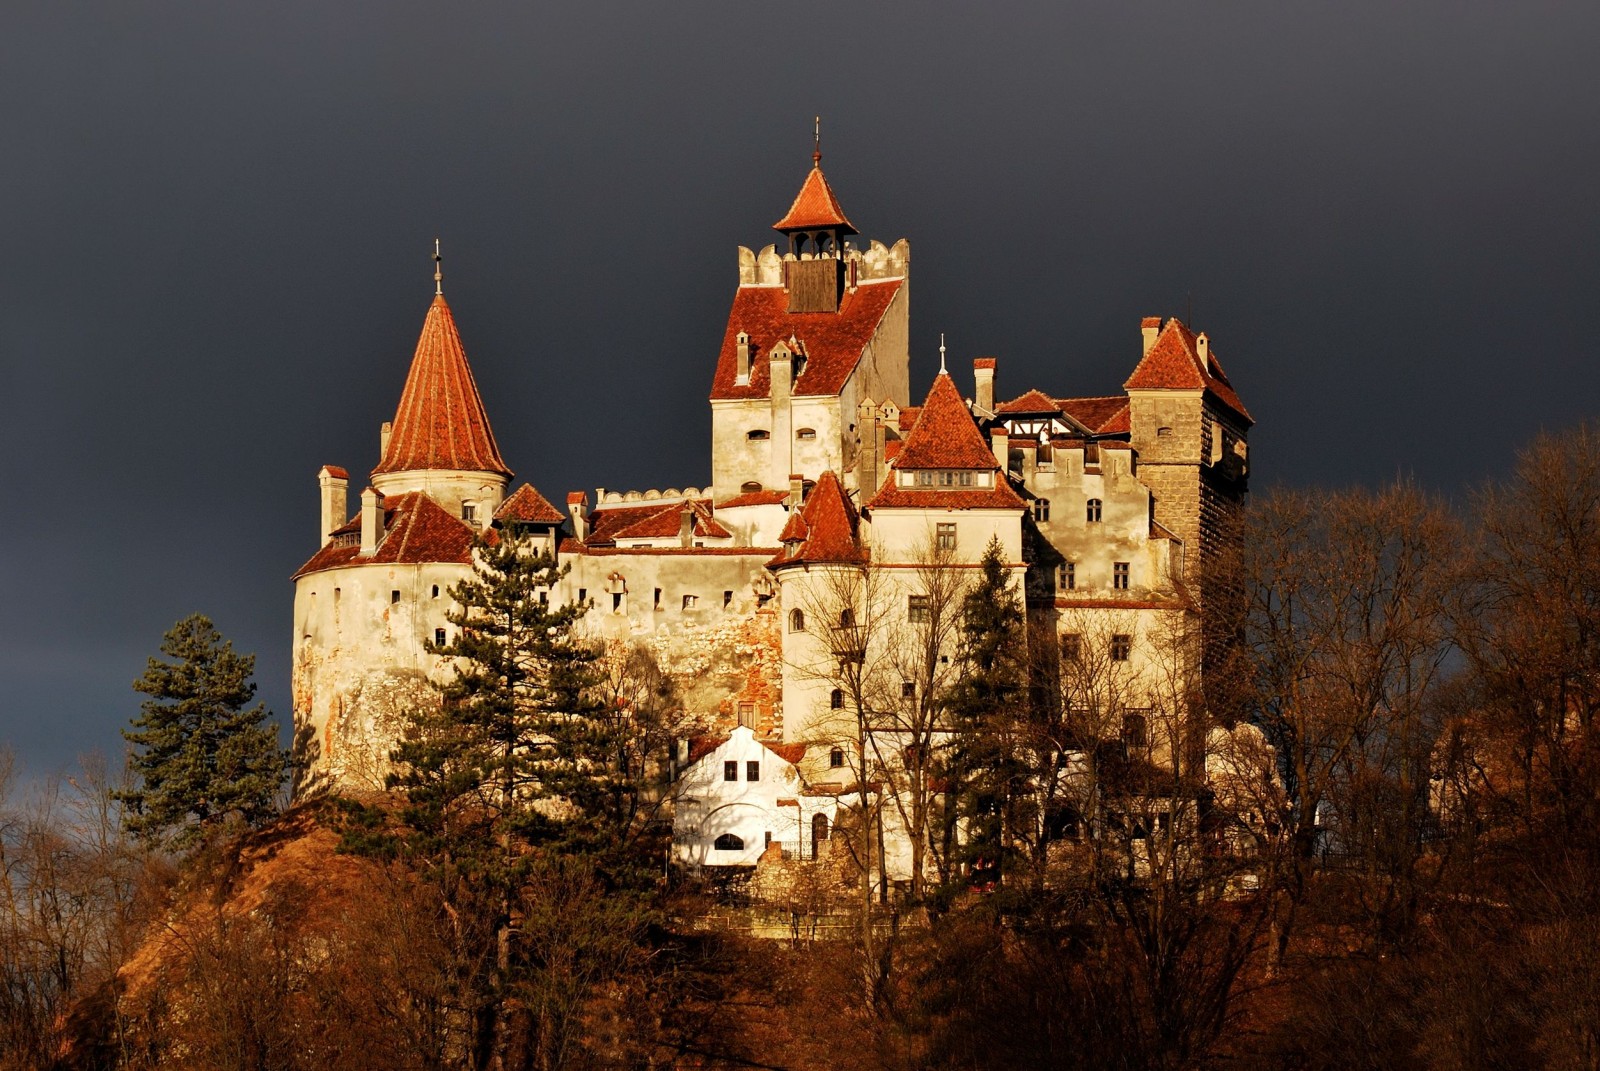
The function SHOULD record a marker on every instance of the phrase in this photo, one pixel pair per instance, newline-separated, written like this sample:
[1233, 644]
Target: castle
[834, 508]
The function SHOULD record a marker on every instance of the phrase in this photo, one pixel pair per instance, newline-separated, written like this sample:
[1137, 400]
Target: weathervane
[438, 269]
[942, 371]
[816, 152]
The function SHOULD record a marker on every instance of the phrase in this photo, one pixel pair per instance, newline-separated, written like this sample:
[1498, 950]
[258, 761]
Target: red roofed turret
[815, 207]
[945, 436]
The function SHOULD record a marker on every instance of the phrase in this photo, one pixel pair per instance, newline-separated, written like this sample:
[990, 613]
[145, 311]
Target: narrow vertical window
[1092, 511]
[836, 699]
[1041, 509]
[797, 620]
[730, 770]
[752, 771]
[1119, 576]
[1067, 576]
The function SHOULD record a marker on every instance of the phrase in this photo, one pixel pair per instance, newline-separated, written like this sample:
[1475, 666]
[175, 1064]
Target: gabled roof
[829, 527]
[1035, 401]
[1100, 415]
[815, 207]
[1173, 363]
[666, 521]
[832, 341]
[945, 436]
[755, 498]
[416, 530]
[701, 746]
[441, 422]
[528, 506]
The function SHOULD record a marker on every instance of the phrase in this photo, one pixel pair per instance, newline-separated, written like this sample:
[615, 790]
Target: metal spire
[942, 371]
[438, 269]
[816, 152]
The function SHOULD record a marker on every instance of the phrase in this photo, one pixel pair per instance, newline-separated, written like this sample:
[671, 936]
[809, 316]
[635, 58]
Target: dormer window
[758, 435]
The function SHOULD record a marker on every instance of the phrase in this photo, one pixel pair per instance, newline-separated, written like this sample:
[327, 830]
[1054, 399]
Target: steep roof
[416, 530]
[814, 207]
[945, 436]
[650, 520]
[1097, 414]
[1174, 363]
[527, 506]
[829, 527]
[832, 341]
[441, 422]
[1035, 401]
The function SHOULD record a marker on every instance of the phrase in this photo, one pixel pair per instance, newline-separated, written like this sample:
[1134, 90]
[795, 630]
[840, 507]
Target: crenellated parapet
[670, 494]
[876, 263]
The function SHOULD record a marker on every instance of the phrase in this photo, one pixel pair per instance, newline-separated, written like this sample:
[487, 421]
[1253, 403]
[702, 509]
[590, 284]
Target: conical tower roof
[441, 422]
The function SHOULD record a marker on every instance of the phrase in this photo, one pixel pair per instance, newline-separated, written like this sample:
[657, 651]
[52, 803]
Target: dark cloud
[218, 221]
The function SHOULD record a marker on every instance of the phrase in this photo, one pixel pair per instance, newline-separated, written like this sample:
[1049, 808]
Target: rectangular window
[747, 714]
[727, 599]
[946, 536]
[908, 690]
[947, 478]
[917, 609]
[689, 601]
[1071, 647]
[752, 771]
[583, 596]
[966, 479]
[1135, 729]
[394, 596]
[438, 637]
[658, 599]
[1067, 578]
[1119, 576]
[730, 770]
[616, 602]
[924, 478]
[469, 512]
[1121, 647]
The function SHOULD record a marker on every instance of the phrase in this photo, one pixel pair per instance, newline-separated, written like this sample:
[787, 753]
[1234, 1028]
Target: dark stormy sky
[214, 260]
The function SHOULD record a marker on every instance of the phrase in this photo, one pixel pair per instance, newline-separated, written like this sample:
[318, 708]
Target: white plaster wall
[707, 806]
[449, 488]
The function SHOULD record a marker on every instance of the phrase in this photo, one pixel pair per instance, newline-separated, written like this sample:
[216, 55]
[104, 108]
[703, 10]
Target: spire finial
[438, 269]
[942, 370]
[816, 152]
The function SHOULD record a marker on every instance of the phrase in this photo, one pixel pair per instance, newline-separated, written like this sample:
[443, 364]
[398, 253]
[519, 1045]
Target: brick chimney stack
[334, 484]
[983, 384]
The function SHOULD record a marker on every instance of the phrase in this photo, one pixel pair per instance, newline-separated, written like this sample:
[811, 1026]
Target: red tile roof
[908, 417]
[1035, 401]
[814, 207]
[1094, 413]
[755, 498]
[335, 471]
[416, 530]
[441, 423]
[666, 522]
[983, 362]
[832, 341]
[945, 436]
[1173, 363]
[790, 753]
[528, 506]
[1000, 496]
[832, 526]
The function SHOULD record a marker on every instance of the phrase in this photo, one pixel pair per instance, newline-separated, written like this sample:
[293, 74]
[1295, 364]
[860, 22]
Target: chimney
[797, 490]
[983, 385]
[578, 511]
[686, 526]
[744, 357]
[384, 432]
[1202, 346]
[371, 521]
[1000, 443]
[334, 484]
[1149, 327]
[868, 431]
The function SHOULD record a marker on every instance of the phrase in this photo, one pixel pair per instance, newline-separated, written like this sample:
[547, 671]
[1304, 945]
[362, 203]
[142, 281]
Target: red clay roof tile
[1173, 363]
[665, 521]
[832, 526]
[335, 471]
[1094, 413]
[440, 422]
[814, 207]
[1035, 401]
[755, 498]
[416, 530]
[945, 436]
[1000, 496]
[527, 506]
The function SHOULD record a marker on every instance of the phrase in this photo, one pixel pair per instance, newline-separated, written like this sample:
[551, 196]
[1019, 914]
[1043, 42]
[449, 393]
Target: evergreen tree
[206, 757]
[987, 709]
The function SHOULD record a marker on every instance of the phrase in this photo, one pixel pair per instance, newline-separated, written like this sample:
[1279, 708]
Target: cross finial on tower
[942, 370]
[816, 152]
[438, 269]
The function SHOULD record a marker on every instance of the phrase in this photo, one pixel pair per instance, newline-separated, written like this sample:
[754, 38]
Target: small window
[1067, 576]
[749, 487]
[616, 602]
[691, 601]
[544, 598]
[436, 591]
[806, 435]
[747, 715]
[438, 637]
[1119, 576]
[759, 435]
[836, 699]
[657, 602]
[1121, 647]
[583, 596]
[469, 512]
[1092, 511]
[1041, 509]
[917, 609]
[847, 618]
[819, 834]
[797, 620]
[836, 758]
[730, 770]
[728, 843]
[1135, 729]
[727, 599]
[908, 689]
[1071, 647]
[752, 771]
[394, 596]
[946, 536]
[1163, 432]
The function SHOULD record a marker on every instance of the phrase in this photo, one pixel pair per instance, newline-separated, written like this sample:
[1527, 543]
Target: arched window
[1041, 509]
[836, 699]
[749, 487]
[1092, 511]
[797, 620]
[758, 435]
[847, 618]
[805, 435]
[819, 834]
[728, 843]
[836, 758]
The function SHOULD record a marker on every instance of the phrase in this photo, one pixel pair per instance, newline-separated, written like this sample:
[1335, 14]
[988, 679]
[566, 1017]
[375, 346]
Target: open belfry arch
[1105, 508]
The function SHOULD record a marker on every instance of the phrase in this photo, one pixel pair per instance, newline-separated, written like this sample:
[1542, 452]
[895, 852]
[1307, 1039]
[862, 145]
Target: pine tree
[206, 757]
[987, 705]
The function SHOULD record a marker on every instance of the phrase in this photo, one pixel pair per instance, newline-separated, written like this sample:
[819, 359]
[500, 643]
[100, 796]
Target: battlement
[602, 497]
[877, 263]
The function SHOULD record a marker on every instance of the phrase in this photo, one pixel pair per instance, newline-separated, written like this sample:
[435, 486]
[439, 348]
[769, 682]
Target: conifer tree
[206, 757]
[987, 707]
